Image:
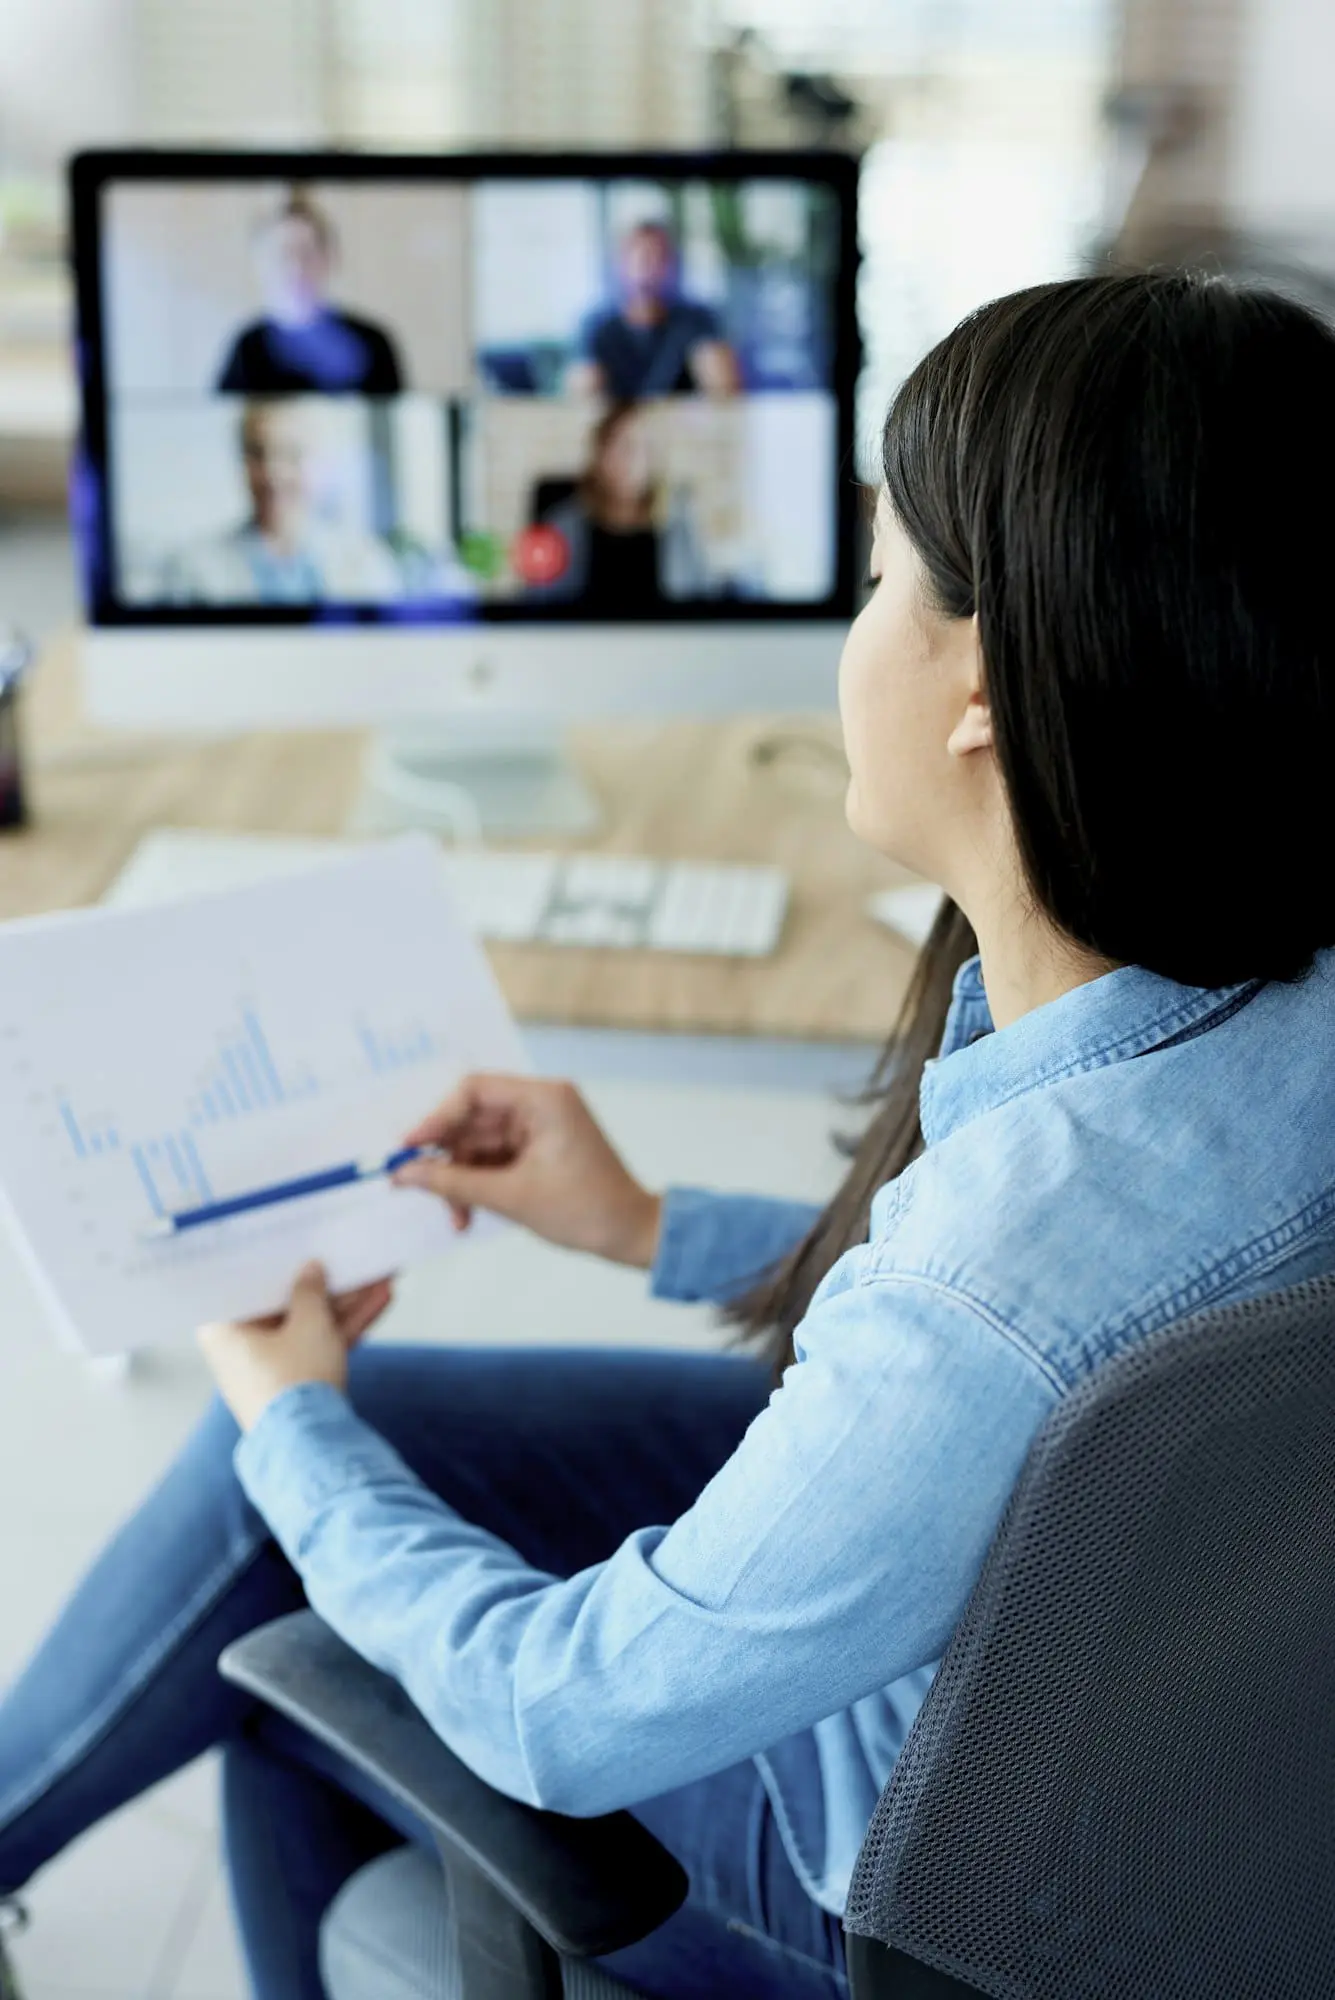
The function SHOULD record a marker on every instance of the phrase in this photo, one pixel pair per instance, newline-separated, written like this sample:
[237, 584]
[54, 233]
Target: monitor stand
[473, 781]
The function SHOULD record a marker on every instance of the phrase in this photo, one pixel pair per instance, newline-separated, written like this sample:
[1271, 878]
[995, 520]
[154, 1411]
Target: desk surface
[683, 790]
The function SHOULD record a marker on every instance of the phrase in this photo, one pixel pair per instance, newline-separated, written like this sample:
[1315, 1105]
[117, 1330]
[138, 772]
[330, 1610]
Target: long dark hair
[1127, 480]
[591, 487]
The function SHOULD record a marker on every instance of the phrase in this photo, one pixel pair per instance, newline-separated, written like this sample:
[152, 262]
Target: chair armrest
[588, 1886]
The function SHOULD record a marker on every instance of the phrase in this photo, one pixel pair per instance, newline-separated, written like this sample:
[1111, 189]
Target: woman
[1091, 694]
[628, 546]
[302, 341]
[285, 551]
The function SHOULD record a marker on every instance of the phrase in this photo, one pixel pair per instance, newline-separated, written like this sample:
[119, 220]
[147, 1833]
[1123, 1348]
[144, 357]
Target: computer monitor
[504, 441]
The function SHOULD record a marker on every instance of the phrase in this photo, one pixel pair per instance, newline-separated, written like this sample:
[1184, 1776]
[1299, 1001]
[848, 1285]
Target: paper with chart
[158, 1062]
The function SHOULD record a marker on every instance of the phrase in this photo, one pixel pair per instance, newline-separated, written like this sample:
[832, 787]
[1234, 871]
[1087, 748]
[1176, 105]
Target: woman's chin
[879, 832]
[862, 823]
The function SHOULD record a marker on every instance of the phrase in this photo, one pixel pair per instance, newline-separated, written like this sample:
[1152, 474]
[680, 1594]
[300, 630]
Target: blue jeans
[560, 1453]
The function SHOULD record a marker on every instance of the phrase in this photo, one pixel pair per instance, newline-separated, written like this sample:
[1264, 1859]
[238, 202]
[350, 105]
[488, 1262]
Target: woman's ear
[973, 731]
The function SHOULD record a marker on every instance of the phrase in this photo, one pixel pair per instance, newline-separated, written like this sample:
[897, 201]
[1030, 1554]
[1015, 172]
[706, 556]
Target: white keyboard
[598, 900]
[623, 902]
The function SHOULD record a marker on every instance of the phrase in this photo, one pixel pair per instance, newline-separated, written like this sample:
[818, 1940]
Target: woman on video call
[303, 342]
[283, 552]
[628, 544]
[1090, 694]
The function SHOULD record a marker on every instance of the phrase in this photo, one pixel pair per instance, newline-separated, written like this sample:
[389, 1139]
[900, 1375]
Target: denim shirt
[1129, 1152]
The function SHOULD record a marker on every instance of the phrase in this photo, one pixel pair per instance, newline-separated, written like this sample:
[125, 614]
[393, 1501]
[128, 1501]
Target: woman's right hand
[532, 1150]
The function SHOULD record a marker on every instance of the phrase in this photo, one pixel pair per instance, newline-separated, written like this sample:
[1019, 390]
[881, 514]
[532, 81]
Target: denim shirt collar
[1121, 1014]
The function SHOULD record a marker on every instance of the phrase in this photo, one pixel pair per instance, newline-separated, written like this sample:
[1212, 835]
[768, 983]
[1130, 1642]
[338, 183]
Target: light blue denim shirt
[1132, 1151]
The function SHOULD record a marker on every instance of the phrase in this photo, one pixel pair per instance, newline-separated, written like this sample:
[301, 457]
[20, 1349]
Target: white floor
[137, 1910]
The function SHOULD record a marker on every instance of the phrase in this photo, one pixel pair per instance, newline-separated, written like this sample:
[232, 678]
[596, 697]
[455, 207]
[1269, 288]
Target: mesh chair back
[1122, 1785]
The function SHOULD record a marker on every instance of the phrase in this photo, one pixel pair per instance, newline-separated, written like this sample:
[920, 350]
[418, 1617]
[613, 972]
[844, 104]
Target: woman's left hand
[254, 1361]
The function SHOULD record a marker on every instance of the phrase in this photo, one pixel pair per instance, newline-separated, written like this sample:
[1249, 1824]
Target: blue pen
[294, 1190]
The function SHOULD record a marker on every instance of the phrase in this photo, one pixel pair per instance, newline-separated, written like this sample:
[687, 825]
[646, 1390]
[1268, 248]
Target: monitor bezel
[92, 171]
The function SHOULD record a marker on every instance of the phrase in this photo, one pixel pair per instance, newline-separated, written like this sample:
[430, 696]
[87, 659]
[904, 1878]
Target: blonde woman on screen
[287, 550]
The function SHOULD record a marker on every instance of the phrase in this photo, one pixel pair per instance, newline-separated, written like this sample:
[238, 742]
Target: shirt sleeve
[713, 1246]
[703, 323]
[830, 1555]
[233, 378]
[589, 342]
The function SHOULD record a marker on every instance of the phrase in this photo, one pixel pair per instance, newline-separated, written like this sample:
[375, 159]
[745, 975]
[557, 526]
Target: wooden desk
[39, 413]
[685, 790]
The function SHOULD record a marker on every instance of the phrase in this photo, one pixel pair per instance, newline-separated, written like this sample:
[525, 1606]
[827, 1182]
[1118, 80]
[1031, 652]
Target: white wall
[249, 72]
[1282, 156]
[74, 72]
[605, 72]
[66, 77]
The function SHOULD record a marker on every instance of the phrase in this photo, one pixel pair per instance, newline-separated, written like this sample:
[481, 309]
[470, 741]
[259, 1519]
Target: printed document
[160, 1064]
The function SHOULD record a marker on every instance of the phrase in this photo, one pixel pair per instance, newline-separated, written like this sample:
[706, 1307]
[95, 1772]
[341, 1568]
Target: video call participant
[628, 545]
[303, 342]
[653, 342]
[282, 554]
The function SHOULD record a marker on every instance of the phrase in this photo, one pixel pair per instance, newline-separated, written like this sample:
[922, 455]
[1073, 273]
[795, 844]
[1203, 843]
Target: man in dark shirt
[304, 344]
[654, 342]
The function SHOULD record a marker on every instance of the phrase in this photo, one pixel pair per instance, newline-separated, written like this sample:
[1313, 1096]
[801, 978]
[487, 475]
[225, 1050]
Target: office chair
[548, 492]
[1121, 1785]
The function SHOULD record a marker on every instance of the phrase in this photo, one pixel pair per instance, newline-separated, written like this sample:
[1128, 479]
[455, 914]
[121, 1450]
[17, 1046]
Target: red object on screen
[540, 555]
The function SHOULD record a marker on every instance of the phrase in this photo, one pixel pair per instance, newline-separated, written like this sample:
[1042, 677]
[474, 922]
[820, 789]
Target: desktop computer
[467, 448]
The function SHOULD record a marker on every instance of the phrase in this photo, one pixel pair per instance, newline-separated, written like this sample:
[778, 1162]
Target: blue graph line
[145, 1173]
[266, 1061]
[197, 1168]
[72, 1127]
[250, 1070]
[177, 1165]
[390, 1053]
[236, 1082]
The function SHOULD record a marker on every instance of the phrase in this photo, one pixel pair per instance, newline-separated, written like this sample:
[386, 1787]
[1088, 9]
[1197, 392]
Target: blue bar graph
[145, 1173]
[266, 1062]
[201, 1179]
[236, 1081]
[247, 1078]
[239, 1079]
[256, 1083]
[391, 1052]
[171, 1172]
[88, 1138]
[71, 1124]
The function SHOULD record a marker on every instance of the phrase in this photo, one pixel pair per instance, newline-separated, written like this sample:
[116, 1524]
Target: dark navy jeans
[561, 1453]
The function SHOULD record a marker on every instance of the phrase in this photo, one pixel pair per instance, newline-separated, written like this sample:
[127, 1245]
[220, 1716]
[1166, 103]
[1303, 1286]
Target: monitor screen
[466, 389]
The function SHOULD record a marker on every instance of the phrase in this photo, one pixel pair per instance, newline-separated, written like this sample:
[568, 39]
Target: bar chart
[246, 1077]
[241, 1080]
[386, 1052]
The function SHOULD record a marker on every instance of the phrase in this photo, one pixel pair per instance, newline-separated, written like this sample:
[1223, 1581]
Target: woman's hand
[254, 1361]
[532, 1150]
